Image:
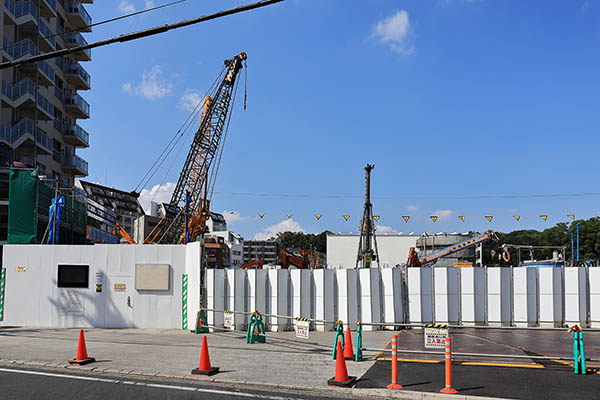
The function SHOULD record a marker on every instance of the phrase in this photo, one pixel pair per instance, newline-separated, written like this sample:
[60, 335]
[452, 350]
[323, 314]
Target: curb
[364, 393]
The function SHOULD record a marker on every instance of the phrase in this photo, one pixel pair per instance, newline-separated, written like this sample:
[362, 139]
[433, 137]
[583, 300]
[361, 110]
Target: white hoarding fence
[435, 336]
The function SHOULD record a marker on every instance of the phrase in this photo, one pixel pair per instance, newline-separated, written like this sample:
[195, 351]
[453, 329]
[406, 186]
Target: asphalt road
[552, 382]
[24, 384]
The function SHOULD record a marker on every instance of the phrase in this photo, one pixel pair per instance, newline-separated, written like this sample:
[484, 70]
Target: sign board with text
[435, 336]
[302, 328]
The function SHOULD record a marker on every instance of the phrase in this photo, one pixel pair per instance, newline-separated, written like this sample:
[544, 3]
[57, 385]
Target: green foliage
[558, 235]
[302, 241]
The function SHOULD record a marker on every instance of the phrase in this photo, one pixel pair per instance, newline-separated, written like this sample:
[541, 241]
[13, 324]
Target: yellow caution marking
[434, 218]
[462, 218]
[346, 217]
[517, 217]
[572, 216]
[318, 216]
[261, 215]
[376, 217]
[489, 218]
[484, 364]
[406, 218]
[289, 216]
[544, 217]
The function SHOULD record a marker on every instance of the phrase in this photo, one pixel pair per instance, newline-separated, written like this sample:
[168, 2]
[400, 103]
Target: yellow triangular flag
[572, 216]
[489, 218]
[544, 217]
[406, 218]
[376, 217]
[261, 215]
[346, 217]
[462, 218]
[318, 216]
[517, 217]
[434, 218]
[289, 216]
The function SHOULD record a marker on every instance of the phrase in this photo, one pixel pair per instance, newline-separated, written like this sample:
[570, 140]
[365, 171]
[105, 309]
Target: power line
[140, 34]
[108, 21]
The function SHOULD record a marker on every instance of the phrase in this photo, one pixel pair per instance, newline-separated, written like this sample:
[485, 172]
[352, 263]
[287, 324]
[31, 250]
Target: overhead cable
[139, 34]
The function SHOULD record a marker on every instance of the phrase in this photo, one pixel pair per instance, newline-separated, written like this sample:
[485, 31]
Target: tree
[303, 241]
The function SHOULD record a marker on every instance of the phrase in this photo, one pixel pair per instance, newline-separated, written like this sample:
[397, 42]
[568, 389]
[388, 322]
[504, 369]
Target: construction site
[150, 284]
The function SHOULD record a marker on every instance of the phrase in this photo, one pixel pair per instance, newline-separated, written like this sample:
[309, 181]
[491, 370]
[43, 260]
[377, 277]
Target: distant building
[100, 224]
[236, 247]
[268, 250]
[217, 252]
[124, 204]
[393, 249]
[216, 223]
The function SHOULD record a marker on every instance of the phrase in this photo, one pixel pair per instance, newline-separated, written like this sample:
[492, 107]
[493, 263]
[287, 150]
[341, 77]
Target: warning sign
[544, 217]
[517, 217]
[302, 328]
[261, 215]
[406, 218]
[462, 218]
[572, 216]
[434, 218]
[289, 216]
[376, 217]
[120, 287]
[318, 216]
[346, 217]
[489, 218]
[228, 320]
[435, 336]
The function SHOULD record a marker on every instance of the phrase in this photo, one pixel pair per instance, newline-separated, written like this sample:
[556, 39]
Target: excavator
[288, 258]
[415, 261]
[256, 263]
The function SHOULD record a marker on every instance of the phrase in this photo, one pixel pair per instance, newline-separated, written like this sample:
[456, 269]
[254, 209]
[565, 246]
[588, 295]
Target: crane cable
[161, 158]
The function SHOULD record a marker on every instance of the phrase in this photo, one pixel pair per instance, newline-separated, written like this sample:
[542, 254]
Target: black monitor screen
[73, 276]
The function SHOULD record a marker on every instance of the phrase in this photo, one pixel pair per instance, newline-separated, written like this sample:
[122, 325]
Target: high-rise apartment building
[40, 103]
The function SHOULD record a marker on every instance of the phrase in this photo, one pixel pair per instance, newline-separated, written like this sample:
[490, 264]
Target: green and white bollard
[578, 352]
[256, 329]
[339, 335]
[358, 352]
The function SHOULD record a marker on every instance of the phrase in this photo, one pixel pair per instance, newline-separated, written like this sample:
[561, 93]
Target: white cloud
[126, 7]
[158, 193]
[154, 86]
[415, 207]
[287, 225]
[233, 216]
[385, 230]
[149, 4]
[190, 100]
[443, 215]
[394, 30]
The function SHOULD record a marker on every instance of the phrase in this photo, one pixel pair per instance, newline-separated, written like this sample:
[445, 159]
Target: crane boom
[474, 241]
[194, 176]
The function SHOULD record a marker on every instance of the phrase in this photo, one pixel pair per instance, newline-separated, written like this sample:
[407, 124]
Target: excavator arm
[124, 234]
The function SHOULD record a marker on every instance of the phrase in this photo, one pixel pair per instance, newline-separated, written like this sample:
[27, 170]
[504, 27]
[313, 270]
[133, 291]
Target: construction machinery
[415, 261]
[366, 253]
[123, 233]
[189, 208]
[255, 263]
[287, 258]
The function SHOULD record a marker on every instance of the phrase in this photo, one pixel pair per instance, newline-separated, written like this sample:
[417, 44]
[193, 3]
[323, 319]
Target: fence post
[448, 356]
[339, 335]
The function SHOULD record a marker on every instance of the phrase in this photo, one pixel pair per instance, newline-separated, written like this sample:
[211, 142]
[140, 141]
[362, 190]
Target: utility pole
[366, 253]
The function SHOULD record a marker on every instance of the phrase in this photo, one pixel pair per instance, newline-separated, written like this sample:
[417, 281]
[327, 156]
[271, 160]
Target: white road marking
[153, 385]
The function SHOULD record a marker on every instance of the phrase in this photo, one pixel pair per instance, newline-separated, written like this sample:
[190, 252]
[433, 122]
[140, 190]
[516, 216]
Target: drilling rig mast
[198, 175]
[366, 254]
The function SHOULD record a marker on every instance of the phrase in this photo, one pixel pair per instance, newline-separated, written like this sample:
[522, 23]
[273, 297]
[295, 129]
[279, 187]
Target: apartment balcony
[77, 106]
[23, 94]
[46, 74]
[75, 165]
[78, 16]
[76, 136]
[77, 76]
[23, 133]
[26, 13]
[7, 50]
[47, 38]
[10, 14]
[73, 39]
[20, 49]
[48, 8]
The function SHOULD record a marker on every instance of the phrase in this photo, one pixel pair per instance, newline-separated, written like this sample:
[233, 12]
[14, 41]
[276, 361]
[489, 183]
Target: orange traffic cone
[348, 351]
[82, 356]
[341, 373]
[204, 367]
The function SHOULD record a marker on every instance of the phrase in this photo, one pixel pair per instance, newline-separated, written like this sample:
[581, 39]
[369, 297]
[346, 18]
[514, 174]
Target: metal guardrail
[271, 315]
[513, 328]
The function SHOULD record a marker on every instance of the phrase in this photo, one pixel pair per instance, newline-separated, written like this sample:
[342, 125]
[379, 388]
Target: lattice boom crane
[199, 171]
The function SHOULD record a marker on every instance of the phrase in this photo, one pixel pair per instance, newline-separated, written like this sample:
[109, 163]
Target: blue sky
[452, 100]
